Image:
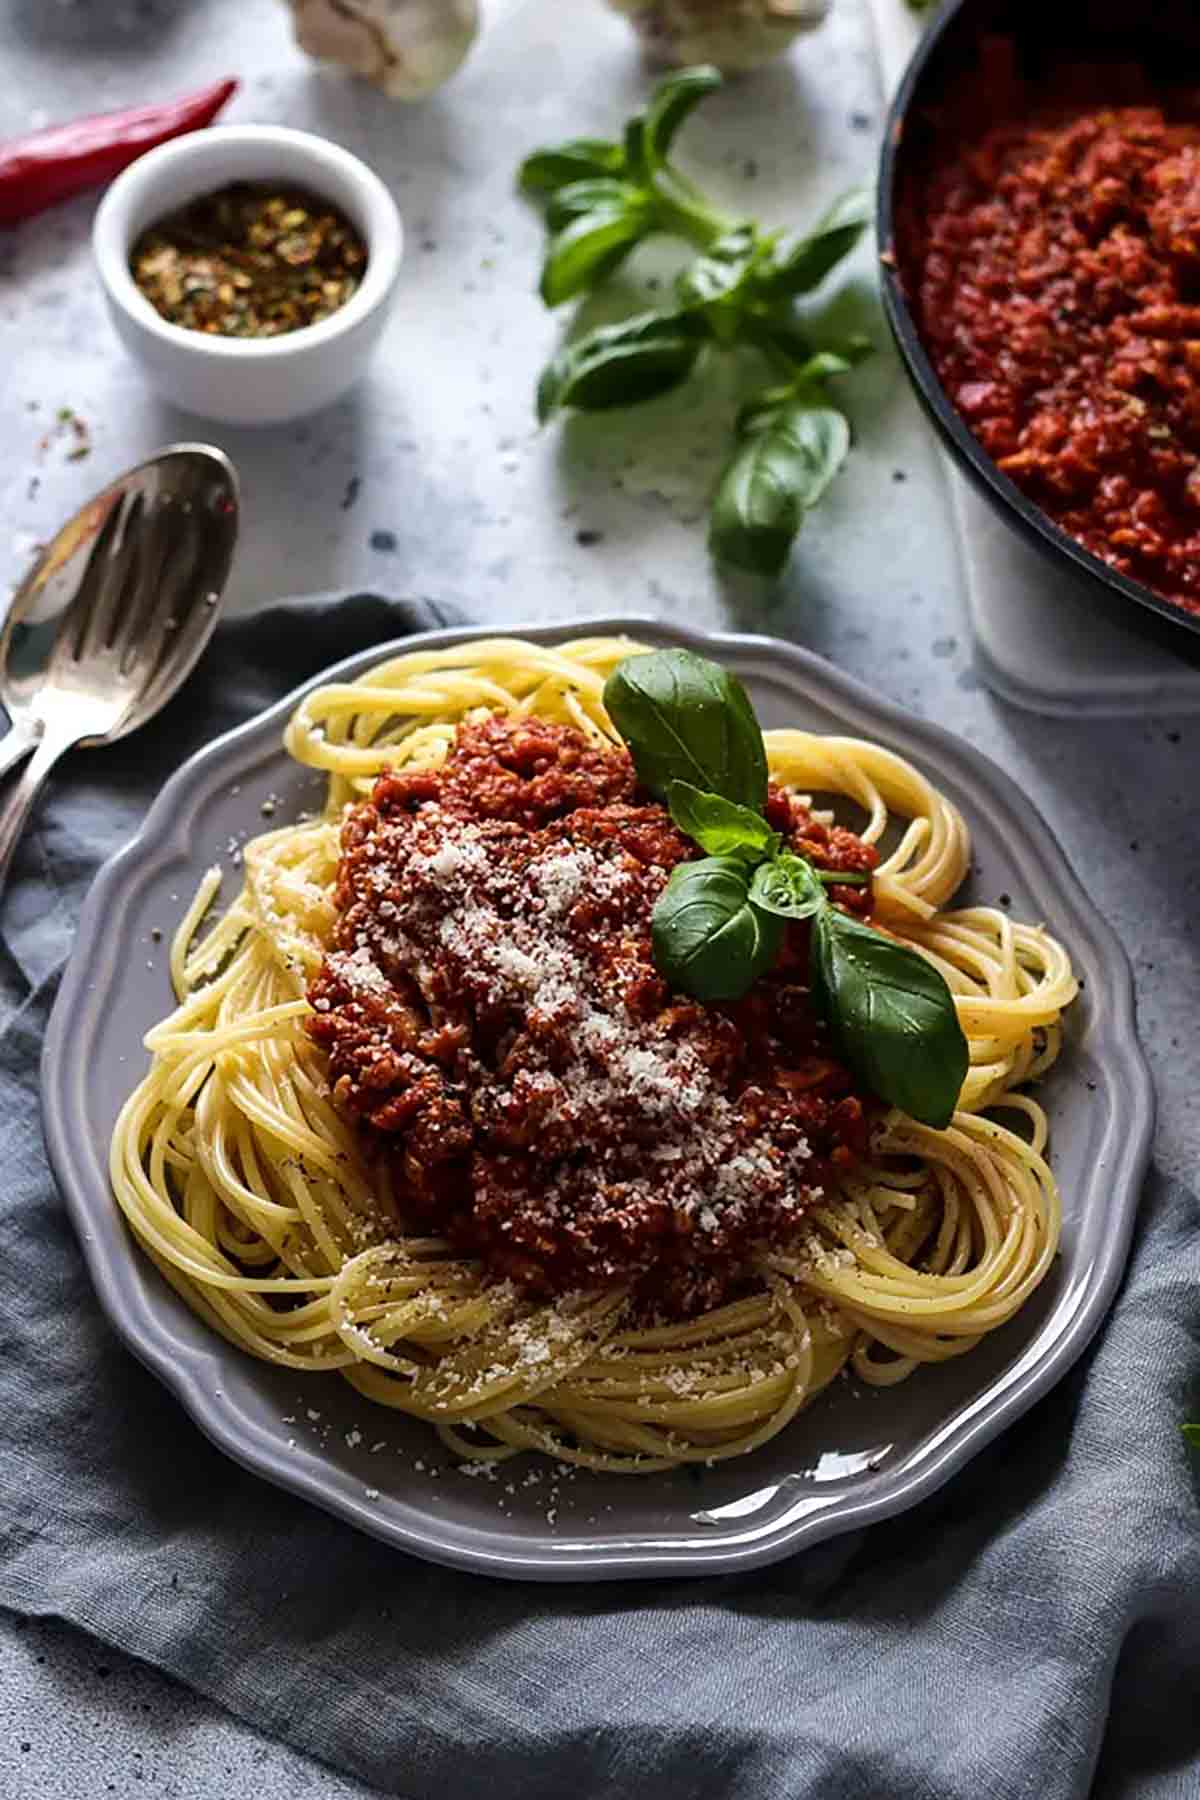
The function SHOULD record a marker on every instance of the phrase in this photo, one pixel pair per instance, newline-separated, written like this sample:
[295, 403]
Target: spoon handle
[14, 745]
[15, 807]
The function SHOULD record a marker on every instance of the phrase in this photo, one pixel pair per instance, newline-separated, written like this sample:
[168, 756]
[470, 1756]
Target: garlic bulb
[734, 34]
[406, 47]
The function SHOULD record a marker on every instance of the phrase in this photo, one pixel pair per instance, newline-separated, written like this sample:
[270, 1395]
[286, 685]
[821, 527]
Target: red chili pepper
[52, 165]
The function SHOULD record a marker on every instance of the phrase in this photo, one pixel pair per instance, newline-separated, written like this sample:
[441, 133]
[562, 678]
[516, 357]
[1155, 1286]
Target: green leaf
[685, 718]
[670, 104]
[777, 333]
[589, 248]
[633, 148]
[622, 364]
[719, 826]
[788, 887]
[548, 170]
[891, 1016]
[598, 193]
[842, 877]
[1192, 1434]
[801, 265]
[792, 452]
[708, 940]
[715, 275]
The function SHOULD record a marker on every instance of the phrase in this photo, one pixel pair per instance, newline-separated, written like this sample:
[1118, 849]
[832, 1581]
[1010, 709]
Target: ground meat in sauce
[491, 1007]
[1051, 250]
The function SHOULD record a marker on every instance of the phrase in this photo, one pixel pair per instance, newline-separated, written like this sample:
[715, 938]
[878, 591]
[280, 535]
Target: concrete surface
[432, 479]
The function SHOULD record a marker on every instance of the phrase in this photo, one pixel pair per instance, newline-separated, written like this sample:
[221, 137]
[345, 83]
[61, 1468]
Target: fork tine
[190, 597]
[76, 629]
[121, 573]
[139, 638]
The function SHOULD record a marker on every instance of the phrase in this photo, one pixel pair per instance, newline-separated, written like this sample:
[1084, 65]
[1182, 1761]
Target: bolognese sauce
[1051, 249]
[493, 1017]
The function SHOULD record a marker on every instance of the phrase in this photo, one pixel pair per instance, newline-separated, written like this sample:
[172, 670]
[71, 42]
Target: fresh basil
[546, 171]
[790, 453]
[589, 246]
[603, 198]
[801, 265]
[599, 194]
[719, 826]
[841, 877]
[709, 941]
[672, 101]
[777, 334]
[685, 718]
[633, 148]
[1192, 1434]
[719, 273]
[788, 887]
[719, 923]
[891, 1015]
[620, 365]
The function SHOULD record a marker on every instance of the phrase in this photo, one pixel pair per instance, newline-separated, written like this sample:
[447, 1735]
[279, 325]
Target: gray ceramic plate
[854, 1456]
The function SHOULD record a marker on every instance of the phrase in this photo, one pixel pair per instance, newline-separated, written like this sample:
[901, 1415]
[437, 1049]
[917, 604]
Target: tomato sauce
[1050, 248]
[493, 1017]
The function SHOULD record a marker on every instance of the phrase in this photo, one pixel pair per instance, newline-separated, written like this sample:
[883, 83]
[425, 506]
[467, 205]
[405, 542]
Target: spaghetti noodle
[275, 1217]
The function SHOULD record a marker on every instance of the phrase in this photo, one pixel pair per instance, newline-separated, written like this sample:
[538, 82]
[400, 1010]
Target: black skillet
[1161, 36]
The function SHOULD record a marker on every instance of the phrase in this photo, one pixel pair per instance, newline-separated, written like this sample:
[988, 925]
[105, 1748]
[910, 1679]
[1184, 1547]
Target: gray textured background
[433, 480]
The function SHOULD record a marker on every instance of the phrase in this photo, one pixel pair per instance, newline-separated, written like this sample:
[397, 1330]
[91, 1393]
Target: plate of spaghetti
[642, 1104]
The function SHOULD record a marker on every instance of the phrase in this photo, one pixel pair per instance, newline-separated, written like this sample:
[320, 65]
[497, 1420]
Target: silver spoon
[114, 615]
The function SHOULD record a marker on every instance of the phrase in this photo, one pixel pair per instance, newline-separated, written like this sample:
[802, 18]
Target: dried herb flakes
[250, 260]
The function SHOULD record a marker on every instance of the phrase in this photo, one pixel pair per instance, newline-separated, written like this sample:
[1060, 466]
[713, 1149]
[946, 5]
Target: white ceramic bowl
[247, 381]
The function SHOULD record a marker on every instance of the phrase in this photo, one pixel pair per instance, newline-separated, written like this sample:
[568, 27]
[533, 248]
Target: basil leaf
[633, 148]
[720, 270]
[891, 1015]
[620, 365]
[672, 101]
[775, 332]
[719, 826]
[598, 193]
[802, 265]
[1192, 1434]
[685, 718]
[788, 887]
[548, 170]
[792, 452]
[589, 248]
[708, 940]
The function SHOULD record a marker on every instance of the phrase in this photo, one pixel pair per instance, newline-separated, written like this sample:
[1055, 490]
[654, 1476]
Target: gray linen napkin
[1033, 1630]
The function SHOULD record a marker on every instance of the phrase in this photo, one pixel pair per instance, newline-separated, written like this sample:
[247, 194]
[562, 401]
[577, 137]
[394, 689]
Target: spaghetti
[275, 1217]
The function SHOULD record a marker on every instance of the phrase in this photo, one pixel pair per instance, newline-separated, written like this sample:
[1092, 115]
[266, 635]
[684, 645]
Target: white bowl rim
[382, 229]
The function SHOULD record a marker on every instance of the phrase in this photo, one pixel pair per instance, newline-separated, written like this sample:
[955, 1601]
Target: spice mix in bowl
[249, 270]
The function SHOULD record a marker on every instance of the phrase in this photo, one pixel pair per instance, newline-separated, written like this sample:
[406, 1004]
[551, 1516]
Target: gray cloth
[1031, 1630]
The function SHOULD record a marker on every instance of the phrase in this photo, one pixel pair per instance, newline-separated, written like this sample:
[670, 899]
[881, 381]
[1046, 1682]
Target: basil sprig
[709, 939]
[718, 825]
[618, 365]
[687, 719]
[602, 199]
[891, 1016]
[720, 922]
[789, 887]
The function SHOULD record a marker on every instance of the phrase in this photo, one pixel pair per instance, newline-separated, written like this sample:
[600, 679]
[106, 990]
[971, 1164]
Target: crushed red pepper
[250, 260]
[1052, 257]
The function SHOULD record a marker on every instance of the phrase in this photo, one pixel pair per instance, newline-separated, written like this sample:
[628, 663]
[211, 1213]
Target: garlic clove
[406, 47]
[736, 35]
